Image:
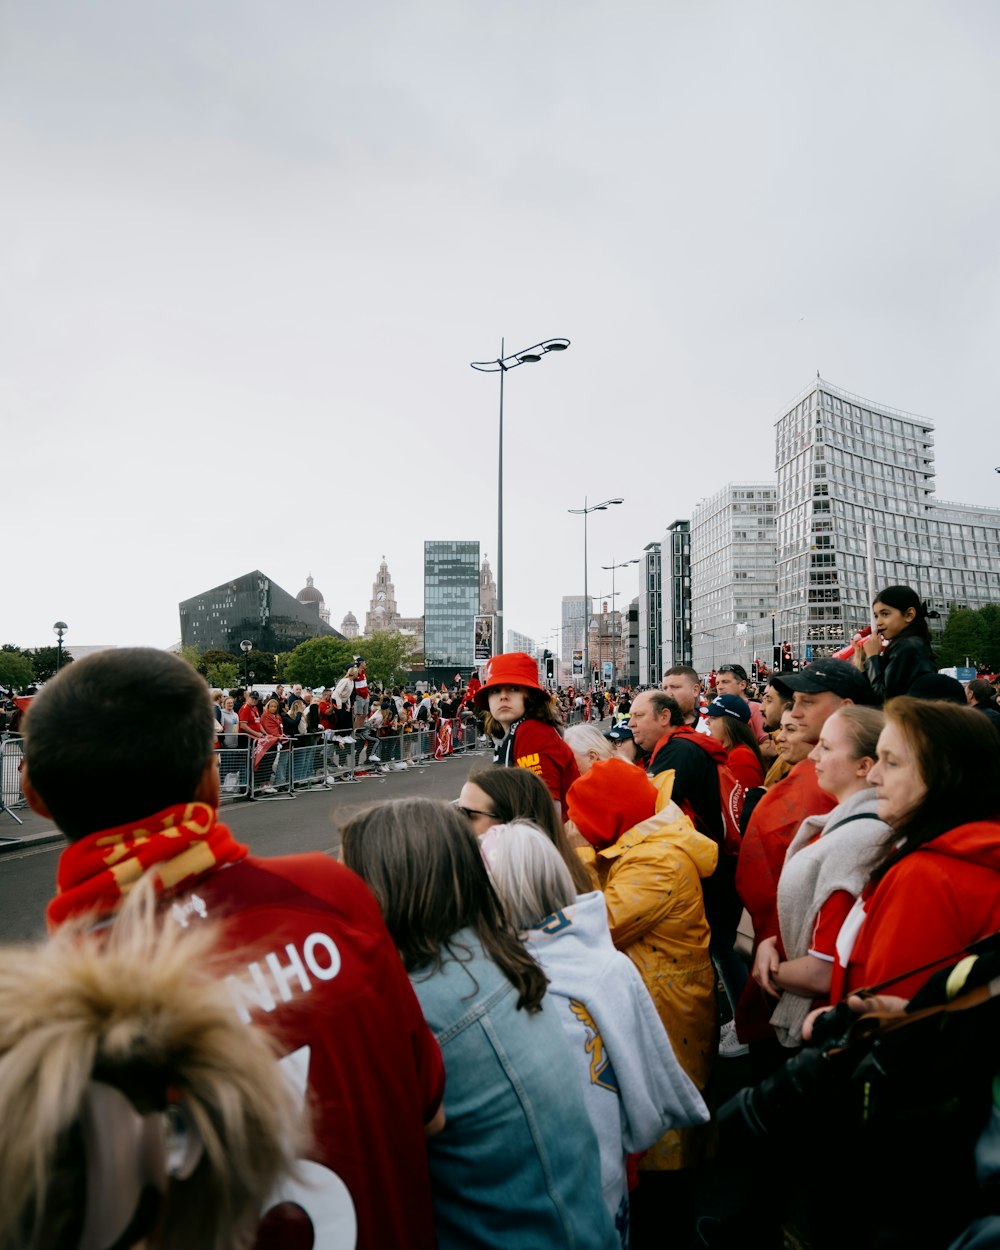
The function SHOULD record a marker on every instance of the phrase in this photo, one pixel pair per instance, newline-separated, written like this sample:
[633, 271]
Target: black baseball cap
[620, 733]
[827, 676]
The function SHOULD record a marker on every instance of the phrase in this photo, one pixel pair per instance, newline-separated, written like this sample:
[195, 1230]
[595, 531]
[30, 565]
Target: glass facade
[572, 627]
[451, 602]
[254, 607]
[848, 468]
[675, 580]
[733, 574]
[651, 617]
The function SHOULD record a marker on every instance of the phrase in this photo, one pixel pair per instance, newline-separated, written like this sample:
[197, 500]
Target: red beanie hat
[610, 797]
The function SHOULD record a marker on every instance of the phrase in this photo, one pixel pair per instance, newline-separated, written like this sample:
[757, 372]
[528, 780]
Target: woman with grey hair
[633, 1087]
[588, 745]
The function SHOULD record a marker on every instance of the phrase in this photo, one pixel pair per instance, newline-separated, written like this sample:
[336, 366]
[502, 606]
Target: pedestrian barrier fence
[10, 781]
[315, 761]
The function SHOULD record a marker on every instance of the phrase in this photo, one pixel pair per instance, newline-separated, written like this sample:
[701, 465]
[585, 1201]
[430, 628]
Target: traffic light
[550, 668]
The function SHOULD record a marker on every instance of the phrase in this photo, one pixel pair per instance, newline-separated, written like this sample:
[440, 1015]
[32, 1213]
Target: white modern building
[849, 470]
[521, 642]
[733, 574]
[571, 634]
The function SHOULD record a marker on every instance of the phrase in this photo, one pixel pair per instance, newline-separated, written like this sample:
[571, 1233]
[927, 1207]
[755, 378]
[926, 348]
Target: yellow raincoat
[651, 878]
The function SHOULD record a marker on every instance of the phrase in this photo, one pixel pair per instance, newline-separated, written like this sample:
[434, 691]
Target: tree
[262, 665]
[224, 676]
[387, 658]
[971, 635]
[16, 671]
[44, 660]
[191, 655]
[319, 661]
[214, 656]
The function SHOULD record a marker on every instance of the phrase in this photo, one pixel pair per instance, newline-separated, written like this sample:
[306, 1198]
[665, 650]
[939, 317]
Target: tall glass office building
[676, 595]
[651, 617]
[846, 467]
[451, 603]
[733, 579]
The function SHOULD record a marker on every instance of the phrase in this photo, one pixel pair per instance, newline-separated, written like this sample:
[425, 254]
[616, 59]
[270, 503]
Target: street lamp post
[614, 654]
[527, 356]
[246, 646]
[59, 628]
[585, 511]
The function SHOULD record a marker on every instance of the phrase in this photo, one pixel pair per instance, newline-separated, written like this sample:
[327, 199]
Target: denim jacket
[517, 1165]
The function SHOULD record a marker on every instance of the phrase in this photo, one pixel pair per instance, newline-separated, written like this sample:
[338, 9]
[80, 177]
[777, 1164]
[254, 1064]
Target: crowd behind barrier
[336, 757]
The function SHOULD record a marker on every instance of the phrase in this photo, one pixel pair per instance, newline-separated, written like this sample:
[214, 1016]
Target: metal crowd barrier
[10, 784]
[339, 756]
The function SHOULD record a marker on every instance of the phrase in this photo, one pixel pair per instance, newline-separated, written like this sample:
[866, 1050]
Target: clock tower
[382, 612]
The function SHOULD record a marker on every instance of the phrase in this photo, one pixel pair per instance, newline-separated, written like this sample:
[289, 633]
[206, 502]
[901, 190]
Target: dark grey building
[254, 607]
[676, 595]
[451, 603]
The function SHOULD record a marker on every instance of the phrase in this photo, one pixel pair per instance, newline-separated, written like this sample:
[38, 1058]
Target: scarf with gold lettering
[181, 843]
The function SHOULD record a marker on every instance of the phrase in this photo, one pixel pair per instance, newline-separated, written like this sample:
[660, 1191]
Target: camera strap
[973, 949]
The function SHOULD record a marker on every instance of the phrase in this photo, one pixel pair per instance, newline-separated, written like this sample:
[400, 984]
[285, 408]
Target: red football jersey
[318, 967]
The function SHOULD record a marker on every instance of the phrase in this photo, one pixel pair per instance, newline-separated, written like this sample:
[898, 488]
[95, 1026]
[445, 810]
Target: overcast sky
[248, 250]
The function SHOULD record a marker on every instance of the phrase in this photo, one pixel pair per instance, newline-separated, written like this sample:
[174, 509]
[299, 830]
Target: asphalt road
[279, 826]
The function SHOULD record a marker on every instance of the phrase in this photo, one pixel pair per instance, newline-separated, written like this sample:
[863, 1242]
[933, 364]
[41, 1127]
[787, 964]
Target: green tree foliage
[261, 664]
[44, 660]
[387, 658]
[214, 656]
[319, 661]
[224, 676]
[16, 671]
[191, 655]
[973, 635]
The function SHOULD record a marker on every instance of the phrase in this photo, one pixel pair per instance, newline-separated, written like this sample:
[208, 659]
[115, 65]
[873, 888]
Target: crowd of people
[504, 1013]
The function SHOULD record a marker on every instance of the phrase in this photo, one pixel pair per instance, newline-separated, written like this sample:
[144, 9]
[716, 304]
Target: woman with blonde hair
[826, 866]
[137, 1108]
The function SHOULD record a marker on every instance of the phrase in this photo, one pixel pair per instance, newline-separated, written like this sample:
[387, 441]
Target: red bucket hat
[515, 668]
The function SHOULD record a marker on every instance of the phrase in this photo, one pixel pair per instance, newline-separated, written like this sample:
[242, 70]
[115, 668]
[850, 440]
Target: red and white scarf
[181, 844]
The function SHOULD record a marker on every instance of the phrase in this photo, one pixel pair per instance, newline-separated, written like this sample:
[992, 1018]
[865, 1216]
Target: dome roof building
[349, 626]
[309, 594]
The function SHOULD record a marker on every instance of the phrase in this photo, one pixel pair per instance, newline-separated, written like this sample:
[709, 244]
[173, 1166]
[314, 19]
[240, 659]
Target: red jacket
[933, 903]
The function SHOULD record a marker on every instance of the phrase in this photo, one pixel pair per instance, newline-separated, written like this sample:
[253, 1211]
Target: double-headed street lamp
[246, 646]
[527, 356]
[59, 628]
[614, 651]
[585, 511]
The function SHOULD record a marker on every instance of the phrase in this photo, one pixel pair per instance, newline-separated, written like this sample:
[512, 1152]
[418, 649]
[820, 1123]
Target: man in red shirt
[250, 716]
[311, 955]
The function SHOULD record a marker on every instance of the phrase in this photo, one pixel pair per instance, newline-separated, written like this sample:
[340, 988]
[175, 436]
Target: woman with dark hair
[517, 1162]
[498, 796]
[729, 723]
[935, 886]
[901, 620]
[527, 721]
